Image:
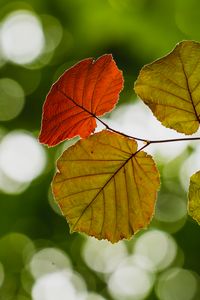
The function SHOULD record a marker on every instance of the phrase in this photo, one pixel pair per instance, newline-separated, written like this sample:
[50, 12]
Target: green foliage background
[135, 32]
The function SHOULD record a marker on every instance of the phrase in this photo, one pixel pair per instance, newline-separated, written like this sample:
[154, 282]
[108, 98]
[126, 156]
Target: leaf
[88, 89]
[170, 86]
[106, 188]
[194, 197]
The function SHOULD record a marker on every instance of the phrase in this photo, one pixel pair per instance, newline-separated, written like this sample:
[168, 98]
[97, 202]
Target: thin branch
[147, 142]
[119, 132]
[102, 122]
[174, 140]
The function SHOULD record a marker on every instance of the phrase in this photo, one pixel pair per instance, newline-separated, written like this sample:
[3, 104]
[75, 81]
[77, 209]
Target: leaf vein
[188, 87]
[167, 92]
[106, 63]
[82, 176]
[83, 191]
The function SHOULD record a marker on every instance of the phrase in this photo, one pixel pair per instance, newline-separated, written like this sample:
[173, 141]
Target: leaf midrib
[80, 106]
[188, 89]
[102, 188]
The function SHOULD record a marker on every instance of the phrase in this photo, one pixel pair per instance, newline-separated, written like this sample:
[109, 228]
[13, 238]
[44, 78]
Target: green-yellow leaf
[105, 188]
[194, 197]
[170, 86]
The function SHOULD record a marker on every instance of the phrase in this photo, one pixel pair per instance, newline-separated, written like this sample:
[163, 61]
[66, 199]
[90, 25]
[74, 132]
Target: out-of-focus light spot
[11, 99]
[170, 213]
[48, 260]
[14, 251]
[102, 256]
[91, 296]
[158, 246]
[189, 167]
[42, 61]
[130, 281]
[179, 260]
[22, 38]
[54, 286]
[78, 283]
[26, 280]
[137, 120]
[170, 208]
[143, 262]
[2, 59]
[1, 274]
[10, 186]
[177, 284]
[22, 158]
[53, 32]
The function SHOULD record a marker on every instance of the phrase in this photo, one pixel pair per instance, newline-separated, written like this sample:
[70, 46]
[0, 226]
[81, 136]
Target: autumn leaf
[88, 89]
[170, 86]
[194, 197]
[106, 188]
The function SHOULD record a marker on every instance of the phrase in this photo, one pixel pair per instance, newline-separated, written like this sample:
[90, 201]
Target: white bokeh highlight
[190, 166]
[91, 296]
[53, 32]
[47, 261]
[136, 119]
[58, 285]
[177, 284]
[131, 280]
[22, 158]
[158, 247]
[102, 256]
[10, 186]
[22, 38]
[171, 208]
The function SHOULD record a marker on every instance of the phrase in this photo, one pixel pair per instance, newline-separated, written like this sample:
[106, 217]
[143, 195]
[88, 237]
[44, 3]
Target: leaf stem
[119, 132]
[149, 141]
[174, 140]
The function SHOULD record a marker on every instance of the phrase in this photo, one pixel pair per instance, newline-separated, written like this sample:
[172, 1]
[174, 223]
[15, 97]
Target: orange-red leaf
[88, 89]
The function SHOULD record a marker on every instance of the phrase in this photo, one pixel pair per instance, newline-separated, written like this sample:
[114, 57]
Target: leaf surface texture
[170, 86]
[106, 188]
[88, 89]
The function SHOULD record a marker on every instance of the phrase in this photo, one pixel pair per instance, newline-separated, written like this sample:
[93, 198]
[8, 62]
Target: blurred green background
[39, 259]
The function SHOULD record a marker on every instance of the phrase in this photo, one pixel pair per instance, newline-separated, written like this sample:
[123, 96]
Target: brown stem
[149, 141]
[119, 132]
[174, 140]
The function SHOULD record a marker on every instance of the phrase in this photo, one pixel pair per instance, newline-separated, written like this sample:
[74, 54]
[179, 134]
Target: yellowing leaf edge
[82, 228]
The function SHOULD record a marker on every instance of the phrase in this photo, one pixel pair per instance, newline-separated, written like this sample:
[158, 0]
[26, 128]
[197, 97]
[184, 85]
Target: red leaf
[88, 89]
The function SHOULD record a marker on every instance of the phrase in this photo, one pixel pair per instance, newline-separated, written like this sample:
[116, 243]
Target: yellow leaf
[106, 188]
[170, 86]
[194, 197]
